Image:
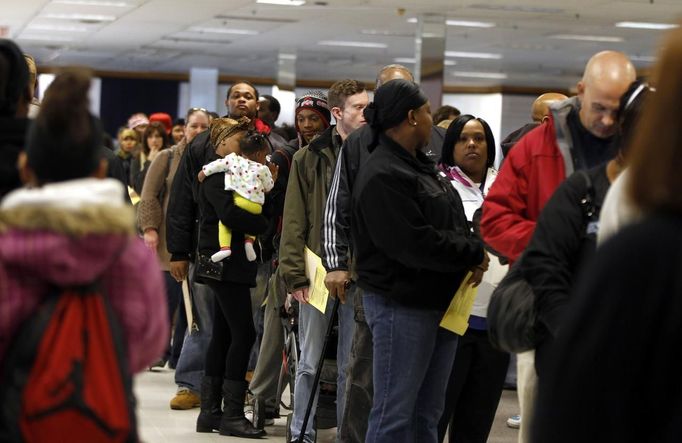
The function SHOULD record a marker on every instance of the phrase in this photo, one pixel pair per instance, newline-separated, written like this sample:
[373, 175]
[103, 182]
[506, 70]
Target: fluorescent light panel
[92, 3]
[76, 16]
[40, 27]
[488, 75]
[46, 38]
[469, 24]
[464, 54]
[462, 23]
[646, 25]
[587, 38]
[282, 2]
[410, 60]
[224, 31]
[350, 44]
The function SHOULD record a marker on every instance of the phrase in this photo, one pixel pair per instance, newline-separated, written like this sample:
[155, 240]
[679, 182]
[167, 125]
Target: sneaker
[158, 364]
[185, 399]
[266, 422]
[514, 422]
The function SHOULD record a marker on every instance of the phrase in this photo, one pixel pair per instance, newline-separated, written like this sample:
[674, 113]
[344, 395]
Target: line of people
[401, 212]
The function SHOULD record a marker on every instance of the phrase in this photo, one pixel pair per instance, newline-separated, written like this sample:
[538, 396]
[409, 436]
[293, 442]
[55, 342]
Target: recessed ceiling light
[464, 54]
[282, 2]
[92, 3]
[77, 16]
[40, 27]
[350, 44]
[587, 38]
[646, 25]
[223, 31]
[490, 75]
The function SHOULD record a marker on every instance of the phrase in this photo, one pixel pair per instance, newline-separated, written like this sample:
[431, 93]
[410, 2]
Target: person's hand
[337, 282]
[179, 269]
[301, 295]
[274, 171]
[201, 177]
[151, 238]
[478, 271]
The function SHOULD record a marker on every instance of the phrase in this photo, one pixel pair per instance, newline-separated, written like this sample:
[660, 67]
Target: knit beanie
[221, 128]
[137, 120]
[315, 101]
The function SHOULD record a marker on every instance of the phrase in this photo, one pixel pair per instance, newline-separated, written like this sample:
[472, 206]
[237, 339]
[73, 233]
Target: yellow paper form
[314, 270]
[456, 318]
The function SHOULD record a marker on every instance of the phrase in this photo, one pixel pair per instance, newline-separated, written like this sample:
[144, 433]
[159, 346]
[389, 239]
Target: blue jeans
[413, 361]
[312, 327]
[190, 368]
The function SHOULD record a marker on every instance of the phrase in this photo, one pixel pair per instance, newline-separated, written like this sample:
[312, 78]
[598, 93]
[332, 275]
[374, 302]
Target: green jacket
[312, 170]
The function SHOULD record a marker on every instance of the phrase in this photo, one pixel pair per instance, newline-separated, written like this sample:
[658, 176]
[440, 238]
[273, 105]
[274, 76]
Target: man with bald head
[576, 136]
[539, 112]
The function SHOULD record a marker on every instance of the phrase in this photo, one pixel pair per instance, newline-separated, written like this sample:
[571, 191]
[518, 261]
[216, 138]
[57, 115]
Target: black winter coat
[409, 230]
[353, 154]
[217, 204]
[565, 238]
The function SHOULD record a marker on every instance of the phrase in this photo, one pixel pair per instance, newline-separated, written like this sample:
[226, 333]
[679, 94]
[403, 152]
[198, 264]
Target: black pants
[233, 332]
[173, 298]
[474, 389]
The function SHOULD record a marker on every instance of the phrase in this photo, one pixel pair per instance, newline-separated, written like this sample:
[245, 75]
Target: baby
[247, 175]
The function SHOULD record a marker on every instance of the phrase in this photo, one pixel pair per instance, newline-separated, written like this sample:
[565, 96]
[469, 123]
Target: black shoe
[211, 399]
[233, 421]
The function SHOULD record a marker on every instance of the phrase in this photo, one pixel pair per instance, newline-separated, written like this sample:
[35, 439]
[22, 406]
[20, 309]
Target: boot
[211, 398]
[233, 421]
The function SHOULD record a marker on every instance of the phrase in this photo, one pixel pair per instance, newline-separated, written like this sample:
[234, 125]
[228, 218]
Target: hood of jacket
[65, 233]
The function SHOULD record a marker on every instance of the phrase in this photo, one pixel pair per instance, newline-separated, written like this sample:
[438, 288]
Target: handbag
[512, 325]
[207, 269]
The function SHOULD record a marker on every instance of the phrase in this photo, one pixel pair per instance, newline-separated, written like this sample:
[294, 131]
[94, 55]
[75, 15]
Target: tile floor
[159, 424]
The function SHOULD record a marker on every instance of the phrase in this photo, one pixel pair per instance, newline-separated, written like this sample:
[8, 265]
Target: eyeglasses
[192, 110]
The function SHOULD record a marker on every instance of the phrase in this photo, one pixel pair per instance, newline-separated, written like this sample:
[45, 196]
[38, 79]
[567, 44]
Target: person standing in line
[309, 183]
[151, 215]
[337, 261]
[478, 372]
[413, 248]
[615, 358]
[578, 135]
[181, 237]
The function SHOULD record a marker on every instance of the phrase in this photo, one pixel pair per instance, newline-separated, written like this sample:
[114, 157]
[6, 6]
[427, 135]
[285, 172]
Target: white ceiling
[157, 35]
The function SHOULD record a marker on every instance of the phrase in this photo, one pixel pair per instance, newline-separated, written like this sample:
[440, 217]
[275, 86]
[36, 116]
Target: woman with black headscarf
[413, 249]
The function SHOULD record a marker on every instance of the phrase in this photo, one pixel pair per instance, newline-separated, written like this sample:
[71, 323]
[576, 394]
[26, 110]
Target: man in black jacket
[181, 239]
[336, 259]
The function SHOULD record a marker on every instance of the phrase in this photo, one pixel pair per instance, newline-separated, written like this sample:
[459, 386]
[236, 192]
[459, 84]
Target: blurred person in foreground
[71, 227]
[615, 358]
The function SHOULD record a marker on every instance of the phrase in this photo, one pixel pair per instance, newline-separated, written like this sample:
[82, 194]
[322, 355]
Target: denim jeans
[312, 327]
[414, 360]
[190, 368]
